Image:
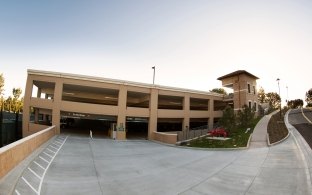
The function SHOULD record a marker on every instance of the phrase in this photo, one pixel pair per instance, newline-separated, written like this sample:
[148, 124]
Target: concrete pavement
[104, 166]
[259, 135]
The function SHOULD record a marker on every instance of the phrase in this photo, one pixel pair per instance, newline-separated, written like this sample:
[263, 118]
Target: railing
[190, 134]
[12, 154]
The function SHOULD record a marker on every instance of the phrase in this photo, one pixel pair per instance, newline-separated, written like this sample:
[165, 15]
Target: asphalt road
[300, 120]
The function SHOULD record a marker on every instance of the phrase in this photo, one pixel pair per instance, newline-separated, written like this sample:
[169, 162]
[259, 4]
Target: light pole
[287, 94]
[153, 74]
[279, 93]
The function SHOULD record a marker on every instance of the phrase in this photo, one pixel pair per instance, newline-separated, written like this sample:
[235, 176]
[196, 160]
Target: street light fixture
[153, 74]
[279, 93]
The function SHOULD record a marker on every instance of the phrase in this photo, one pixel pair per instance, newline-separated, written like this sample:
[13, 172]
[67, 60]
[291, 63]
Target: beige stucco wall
[240, 89]
[121, 111]
[168, 138]
[12, 154]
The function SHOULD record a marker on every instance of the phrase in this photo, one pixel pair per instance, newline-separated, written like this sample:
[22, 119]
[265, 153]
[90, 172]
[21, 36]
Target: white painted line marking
[17, 192]
[305, 116]
[48, 154]
[30, 185]
[50, 150]
[44, 159]
[53, 147]
[34, 173]
[58, 142]
[45, 171]
[39, 165]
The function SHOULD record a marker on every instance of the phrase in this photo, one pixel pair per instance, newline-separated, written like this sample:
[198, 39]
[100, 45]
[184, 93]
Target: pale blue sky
[191, 43]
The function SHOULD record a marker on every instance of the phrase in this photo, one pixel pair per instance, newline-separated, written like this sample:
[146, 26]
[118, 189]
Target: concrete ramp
[259, 135]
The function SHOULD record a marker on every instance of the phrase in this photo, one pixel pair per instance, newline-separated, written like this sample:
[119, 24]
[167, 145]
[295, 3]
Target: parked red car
[218, 132]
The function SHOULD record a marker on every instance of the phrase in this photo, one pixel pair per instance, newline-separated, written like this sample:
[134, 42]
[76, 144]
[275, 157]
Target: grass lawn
[238, 139]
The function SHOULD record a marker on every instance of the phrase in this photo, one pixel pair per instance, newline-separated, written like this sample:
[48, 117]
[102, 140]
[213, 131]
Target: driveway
[72, 164]
[103, 166]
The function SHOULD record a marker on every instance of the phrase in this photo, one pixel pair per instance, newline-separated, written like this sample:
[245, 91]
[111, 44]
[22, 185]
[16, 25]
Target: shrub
[228, 120]
[245, 117]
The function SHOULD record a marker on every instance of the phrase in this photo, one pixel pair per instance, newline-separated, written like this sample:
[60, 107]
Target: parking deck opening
[136, 128]
[81, 124]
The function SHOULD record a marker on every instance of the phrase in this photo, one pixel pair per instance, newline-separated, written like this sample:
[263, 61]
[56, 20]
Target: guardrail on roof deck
[11, 155]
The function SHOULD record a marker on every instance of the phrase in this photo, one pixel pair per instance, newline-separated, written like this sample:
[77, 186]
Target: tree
[8, 104]
[309, 97]
[228, 119]
[219, 90]
[261, 95]
[1, 111]
[245, 116]
[295, 103]
[17, 92]
[273, 99]
[17, 105]
[1, 84]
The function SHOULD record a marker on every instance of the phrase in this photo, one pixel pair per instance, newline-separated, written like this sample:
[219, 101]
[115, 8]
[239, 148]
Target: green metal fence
[9, 133]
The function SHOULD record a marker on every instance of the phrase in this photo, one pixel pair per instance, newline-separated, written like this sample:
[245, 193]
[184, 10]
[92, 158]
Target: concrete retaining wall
[168, 138]
[12, 154]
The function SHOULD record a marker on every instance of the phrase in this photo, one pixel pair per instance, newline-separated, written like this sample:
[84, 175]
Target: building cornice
[116, 81]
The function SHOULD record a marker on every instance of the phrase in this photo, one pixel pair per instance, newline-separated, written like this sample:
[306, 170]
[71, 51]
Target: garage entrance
[82, 123]
[197, 123]
[136, 127]
[169, 124]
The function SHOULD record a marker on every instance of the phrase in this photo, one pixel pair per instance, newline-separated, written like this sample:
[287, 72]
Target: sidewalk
[259, 135]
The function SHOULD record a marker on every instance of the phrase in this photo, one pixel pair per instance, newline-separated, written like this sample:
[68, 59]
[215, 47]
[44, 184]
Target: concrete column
[26, 109]
[58, 90]
[39, 93]
[36, 112]
[210, 122]
[122, 106]
[153, 107]
[186, 110]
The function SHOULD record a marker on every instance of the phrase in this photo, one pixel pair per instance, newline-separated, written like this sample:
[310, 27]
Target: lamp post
[287, 94]
[279, 93]
[153, 74]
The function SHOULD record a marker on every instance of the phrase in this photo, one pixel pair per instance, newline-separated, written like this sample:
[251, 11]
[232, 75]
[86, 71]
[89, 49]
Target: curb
[215, 149]
[280, 141]
[249, 140]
